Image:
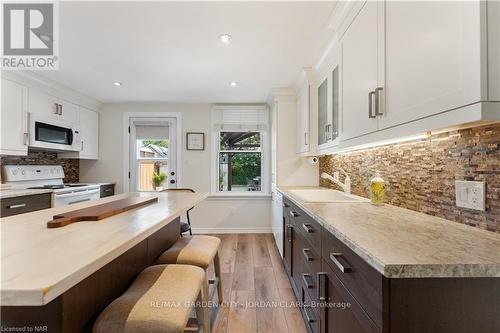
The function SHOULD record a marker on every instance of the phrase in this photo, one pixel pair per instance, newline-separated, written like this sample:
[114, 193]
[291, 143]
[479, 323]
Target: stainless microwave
[53, 134]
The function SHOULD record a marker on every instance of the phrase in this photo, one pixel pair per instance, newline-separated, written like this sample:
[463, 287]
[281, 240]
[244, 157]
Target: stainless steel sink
[326, 195]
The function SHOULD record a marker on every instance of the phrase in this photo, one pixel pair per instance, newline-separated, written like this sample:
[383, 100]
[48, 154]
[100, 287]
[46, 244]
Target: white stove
[49, 177]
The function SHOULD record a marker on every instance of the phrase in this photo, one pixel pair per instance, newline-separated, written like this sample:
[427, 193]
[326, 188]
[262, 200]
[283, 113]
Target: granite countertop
[4, 194]
[38, 264]
[401, 243]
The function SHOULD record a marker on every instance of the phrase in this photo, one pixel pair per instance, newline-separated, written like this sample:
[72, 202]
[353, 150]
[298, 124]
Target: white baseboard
[262, 230]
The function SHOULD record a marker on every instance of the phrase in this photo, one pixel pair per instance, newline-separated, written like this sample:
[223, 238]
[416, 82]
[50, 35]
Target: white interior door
[153, 151]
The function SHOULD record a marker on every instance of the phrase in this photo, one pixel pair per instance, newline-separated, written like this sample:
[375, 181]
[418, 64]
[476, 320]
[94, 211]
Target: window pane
[157, 149]
[146, 170]
[240, 141]
[240, 172]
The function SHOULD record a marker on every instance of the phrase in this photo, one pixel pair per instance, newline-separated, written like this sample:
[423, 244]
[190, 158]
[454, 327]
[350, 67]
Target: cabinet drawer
[310, 229]
[24, 204]
[310, 312]
[362, 281]
[310, 265]
[342, 313]
[107, 190]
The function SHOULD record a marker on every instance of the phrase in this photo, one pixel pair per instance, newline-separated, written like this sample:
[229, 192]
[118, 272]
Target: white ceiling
[170, 51]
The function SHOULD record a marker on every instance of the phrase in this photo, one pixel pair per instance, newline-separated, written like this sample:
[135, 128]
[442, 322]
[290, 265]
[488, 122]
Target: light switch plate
[470, 194]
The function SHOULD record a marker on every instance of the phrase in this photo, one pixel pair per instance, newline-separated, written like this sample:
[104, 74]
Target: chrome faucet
[346, 186]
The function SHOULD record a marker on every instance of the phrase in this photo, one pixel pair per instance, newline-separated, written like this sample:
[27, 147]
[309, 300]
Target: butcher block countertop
[401, 243]
[39, 264]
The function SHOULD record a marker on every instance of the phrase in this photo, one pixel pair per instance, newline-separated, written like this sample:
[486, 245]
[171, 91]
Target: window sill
[242, 196]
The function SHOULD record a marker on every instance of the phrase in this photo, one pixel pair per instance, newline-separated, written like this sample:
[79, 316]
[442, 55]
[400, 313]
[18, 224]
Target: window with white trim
[241, 144]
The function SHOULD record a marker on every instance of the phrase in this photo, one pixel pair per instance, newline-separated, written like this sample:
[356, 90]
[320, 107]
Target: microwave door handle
[76, 194]
[70, 138]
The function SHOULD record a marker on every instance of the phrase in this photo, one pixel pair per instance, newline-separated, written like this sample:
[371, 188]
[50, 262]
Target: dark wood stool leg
[218, 277]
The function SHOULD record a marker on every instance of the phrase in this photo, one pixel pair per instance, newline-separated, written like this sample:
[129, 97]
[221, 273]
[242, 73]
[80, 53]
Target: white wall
[214, 214]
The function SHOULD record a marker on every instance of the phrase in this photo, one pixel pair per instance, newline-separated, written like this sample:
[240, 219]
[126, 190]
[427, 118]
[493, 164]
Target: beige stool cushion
[196, 250]
[159, 300]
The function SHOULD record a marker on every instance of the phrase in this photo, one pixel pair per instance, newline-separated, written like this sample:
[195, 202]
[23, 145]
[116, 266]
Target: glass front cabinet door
[329, 101]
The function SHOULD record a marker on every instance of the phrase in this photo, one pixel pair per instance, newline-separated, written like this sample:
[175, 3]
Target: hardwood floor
[252, 276]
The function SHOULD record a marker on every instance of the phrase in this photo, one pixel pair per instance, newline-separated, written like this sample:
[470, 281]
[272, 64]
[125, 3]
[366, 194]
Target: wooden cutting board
[99, 212]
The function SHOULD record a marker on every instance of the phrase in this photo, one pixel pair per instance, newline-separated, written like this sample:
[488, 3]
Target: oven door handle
[76, 194]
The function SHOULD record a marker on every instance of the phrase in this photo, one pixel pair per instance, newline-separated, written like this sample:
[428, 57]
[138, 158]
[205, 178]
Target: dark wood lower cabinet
[340, 311]
[341, 293]
[24, 204]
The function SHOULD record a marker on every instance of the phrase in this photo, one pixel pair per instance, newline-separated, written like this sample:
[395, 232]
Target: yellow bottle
[377, 186]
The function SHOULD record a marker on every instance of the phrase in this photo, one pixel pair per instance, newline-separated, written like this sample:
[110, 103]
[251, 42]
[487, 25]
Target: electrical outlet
[470, 194]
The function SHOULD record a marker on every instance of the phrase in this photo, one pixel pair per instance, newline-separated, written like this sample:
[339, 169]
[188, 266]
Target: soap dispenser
[377, 189]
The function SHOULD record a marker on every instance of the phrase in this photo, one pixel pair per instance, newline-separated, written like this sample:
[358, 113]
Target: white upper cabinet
[13, 119]
[306, 115]
[89, 129]
[360, 61]
[329, 102]
[303, 112]
[53, 107]
[433, 58]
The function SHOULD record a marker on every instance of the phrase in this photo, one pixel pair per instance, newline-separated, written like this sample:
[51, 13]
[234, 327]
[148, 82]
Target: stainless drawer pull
[307, 280]
[370, 104]
[340, 262]
[294, 214]
[290, 231]
[308, 258]
[309, 317]
[321, 286]
[16, 206]
[377, 101]
[286, 205]
[307, 227]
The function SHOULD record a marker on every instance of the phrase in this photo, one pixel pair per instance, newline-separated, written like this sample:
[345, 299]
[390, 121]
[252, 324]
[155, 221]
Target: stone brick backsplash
[420, 175]
[71, 166]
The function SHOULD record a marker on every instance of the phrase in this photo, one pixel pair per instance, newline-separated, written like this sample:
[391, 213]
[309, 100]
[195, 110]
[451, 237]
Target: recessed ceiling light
[234, 84]
[116, 83]
[225, 38]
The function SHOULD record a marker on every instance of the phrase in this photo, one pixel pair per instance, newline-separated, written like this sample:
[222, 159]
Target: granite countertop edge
[402, 270]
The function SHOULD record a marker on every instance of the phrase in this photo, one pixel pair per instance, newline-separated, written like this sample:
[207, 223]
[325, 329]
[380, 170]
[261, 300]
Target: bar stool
[185, 227]
[199, 250]
[159, 300]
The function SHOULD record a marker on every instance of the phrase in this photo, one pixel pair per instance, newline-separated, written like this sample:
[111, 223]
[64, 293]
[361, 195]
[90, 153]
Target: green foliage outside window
[159, 143]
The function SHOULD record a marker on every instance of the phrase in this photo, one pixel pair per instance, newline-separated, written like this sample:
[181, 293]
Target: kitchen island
[63, 277]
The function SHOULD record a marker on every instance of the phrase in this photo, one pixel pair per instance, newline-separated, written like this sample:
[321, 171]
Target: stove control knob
[14, 172]
[23, 172]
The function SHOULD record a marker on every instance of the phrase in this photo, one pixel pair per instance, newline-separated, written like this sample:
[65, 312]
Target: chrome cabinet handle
[377, 101]
[307, 227]
[290, 231]
[308, 257]
[340, 262]
[307, 280]
[309, 317]
[16, 206]
[56, 108]
[370, 104]
[321, 286]
[26, 138]
[60, 109]
[305, 138]
[286, 205]
[294, 214]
